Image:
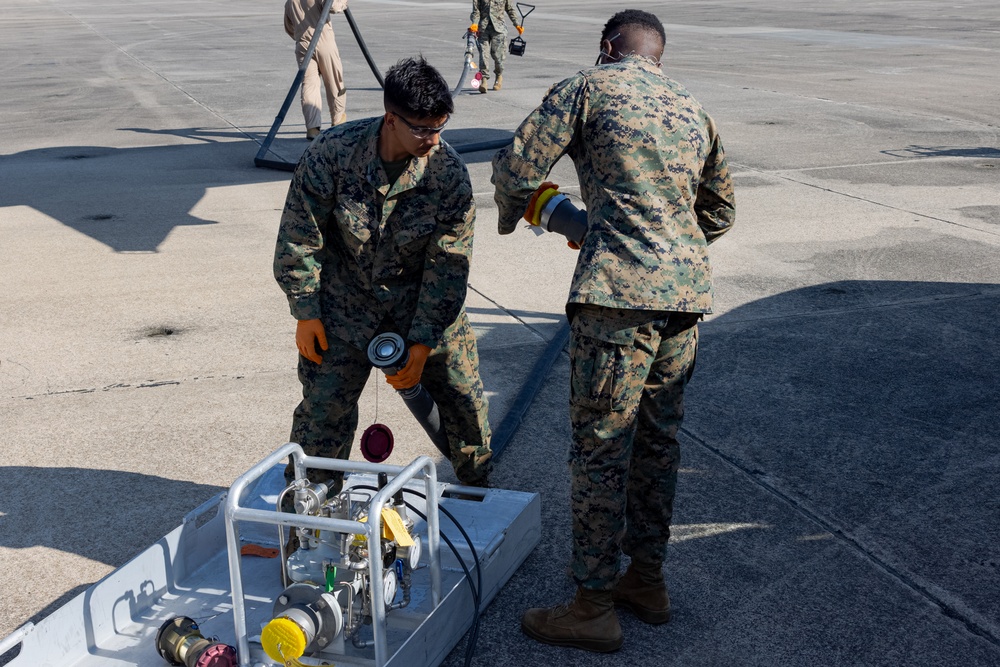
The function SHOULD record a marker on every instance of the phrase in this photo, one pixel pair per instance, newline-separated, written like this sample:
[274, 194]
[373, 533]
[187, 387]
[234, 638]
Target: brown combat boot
[482, 85]
[499, 82]
[588, 622]
[643, 591]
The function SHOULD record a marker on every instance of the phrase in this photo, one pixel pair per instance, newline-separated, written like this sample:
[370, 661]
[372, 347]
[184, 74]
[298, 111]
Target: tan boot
[588, 622]
[482, 85]
[643, 591]
[312, 133]
[499, 82]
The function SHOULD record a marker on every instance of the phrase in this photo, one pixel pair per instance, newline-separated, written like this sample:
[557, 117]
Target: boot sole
[594, 645]
[650, 616]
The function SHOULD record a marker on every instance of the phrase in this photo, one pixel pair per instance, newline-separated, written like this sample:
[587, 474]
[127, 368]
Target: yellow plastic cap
[283, 640]
[543, 199]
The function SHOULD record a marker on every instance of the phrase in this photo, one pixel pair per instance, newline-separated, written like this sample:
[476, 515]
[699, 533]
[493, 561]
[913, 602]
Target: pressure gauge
[389, 585]
[413, 557]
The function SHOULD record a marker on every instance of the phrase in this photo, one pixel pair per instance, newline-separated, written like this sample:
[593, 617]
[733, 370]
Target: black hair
[636, 18]
[415, 89]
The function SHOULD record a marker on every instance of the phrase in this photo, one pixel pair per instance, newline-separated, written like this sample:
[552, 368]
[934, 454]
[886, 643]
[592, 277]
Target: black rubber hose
[504, 433]
[427, 414]
[364, 47]
[494, 145]
[475, 588]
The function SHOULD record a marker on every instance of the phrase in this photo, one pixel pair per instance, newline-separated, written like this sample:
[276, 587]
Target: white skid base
[186, 573]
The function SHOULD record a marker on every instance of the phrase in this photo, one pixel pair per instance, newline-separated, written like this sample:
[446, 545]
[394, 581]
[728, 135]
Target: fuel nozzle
[552, 211]
[387, 352]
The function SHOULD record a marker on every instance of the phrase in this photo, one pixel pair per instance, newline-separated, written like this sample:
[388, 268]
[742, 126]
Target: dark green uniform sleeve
[446, 266]
[543, 138]
[308, 208]
[510, 12]
[715, 204]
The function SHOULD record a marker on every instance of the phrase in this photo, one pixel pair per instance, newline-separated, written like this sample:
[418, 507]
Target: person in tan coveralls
[301, 18]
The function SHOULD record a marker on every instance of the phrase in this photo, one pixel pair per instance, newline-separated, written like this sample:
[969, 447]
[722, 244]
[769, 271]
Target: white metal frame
[372, 528]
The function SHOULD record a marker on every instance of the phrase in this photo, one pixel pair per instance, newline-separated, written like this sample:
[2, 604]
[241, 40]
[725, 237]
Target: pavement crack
[955, 610]
[509, 313]
[119, 386]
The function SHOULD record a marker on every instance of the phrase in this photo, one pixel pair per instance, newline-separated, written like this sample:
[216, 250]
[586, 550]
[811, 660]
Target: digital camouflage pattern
[326, 420]
[495, 44]
[657, 189]
[488, 15]
[352, 249]
[652, 173]
[627, 377]
[364, 256]
[492, 36]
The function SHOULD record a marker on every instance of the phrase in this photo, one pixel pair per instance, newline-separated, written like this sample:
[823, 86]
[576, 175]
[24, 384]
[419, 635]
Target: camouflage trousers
[324, 423]
[494, 43]
[627, 378]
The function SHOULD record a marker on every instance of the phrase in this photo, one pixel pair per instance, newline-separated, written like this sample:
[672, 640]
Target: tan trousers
[325, 64]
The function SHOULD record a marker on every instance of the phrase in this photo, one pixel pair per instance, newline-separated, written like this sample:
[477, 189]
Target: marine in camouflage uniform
[492, 33]
[657, 189]
[364, 254]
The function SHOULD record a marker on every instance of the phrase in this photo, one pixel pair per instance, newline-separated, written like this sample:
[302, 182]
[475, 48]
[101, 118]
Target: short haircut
[634, 18]
[414, 88]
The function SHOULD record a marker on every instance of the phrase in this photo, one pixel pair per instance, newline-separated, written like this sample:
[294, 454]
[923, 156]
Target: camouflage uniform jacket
[489, 13]
[352, 249]
[653, 176]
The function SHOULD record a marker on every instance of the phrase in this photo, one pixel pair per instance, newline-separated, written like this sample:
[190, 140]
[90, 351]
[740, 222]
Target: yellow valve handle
[392, 529]
[394, 523]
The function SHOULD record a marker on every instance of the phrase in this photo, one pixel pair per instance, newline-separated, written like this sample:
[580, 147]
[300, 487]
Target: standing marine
[491, 34]
[657, 188]
[301, 22]
[376, 236]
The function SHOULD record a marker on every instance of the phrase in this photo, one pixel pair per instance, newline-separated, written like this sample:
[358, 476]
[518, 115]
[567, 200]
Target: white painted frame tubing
[372, 528]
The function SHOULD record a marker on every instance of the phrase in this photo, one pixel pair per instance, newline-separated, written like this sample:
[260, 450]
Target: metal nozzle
[559, 215]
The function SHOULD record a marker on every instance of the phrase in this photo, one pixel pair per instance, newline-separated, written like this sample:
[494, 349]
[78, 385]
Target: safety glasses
[421, 131]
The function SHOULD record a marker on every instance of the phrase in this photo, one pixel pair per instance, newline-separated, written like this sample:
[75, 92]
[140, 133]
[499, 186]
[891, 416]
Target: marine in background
[301, 20]
[657, 188]
[491, 35]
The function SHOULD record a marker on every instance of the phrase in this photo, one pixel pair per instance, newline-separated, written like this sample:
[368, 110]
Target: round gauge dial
[413, 558]
[389, 586]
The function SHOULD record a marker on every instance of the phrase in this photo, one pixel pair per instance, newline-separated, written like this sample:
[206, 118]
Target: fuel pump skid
[369, 584]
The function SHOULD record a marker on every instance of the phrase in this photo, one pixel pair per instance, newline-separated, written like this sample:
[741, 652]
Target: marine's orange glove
[307, 334]
[520, 29]
[414, 368]
[474, 28]
[529, 212]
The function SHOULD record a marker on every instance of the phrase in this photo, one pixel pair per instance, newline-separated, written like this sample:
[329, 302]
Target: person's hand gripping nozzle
[388, 353]
[553, 212]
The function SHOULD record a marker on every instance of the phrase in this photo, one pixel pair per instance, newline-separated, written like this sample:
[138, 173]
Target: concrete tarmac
[837, 501]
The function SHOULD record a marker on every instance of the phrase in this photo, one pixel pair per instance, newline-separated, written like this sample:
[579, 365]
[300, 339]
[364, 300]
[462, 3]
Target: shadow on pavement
[130, 199]
[102, 515]
[836, 502]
